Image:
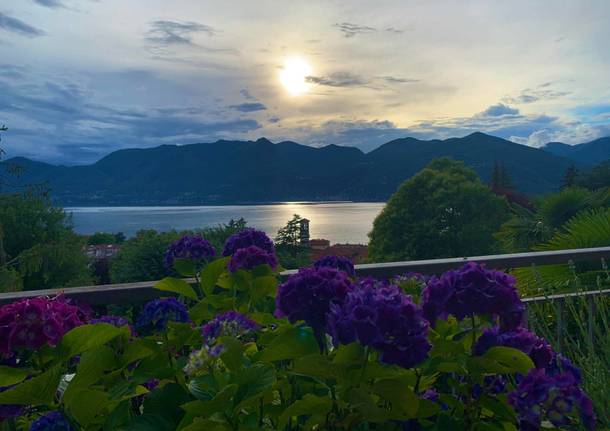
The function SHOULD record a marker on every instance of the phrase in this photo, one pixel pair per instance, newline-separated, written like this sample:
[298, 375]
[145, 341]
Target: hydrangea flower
[473, 290]
[117, 321]
[338, 262]
[32, 323]
[52, 421]
[251, 257]
[308, 295]
[194, 248]
[157, 313]
[246, 238]
[556, 398]
[229, 324]
[385, 319]
[529, 343]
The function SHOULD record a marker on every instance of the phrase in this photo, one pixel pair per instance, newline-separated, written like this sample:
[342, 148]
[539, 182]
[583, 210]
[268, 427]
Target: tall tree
[500, 179]
[569, 178]
[443, 211]
[290, 251]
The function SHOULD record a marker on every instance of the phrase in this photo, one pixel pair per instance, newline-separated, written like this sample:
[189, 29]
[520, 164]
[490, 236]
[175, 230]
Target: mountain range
[241, 172]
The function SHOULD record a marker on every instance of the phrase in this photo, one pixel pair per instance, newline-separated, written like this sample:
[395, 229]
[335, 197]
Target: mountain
[590, 153]
[227, 172]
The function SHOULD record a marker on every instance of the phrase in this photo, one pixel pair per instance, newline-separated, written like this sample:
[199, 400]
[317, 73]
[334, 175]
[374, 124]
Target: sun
[293, 76]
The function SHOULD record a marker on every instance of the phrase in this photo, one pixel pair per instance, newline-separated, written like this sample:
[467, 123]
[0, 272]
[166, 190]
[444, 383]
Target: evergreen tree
[569, 178]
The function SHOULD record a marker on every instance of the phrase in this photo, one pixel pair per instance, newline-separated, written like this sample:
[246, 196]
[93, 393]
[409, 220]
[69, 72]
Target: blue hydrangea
[251, 257]
[529, 343]
[193, 248]
[157, 313]
[338, 262]
[246, 238]
[231, 324]
[384, 318]
[52, 421]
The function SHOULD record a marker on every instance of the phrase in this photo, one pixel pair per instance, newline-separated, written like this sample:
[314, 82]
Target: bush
[238, 350]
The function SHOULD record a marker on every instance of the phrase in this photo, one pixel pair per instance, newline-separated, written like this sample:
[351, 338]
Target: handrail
[143, 291]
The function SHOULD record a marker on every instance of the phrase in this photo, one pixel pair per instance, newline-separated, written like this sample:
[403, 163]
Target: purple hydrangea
[32, 323]
[308, 295]
[194, 248]
[231, 324]
[117, 321]
[157, 313]
[556, 398]
[384, 318]
[251, 257]
[52, 421]
[473, 290]
[246, 238]
[338, 262]
[529, 343]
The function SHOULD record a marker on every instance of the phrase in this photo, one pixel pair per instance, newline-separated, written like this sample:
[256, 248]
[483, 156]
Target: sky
[82, 78]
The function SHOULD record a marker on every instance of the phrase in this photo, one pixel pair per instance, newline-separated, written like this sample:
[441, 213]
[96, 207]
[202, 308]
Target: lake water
[344, 222]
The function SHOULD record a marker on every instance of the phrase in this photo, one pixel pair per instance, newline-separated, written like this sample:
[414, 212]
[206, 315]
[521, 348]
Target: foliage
[569, 178]
[99, 238]
[500, 178]
[596, 178]
[443, 211]
[290, 251]
[217, 235]
[234, 363]
[39, 248]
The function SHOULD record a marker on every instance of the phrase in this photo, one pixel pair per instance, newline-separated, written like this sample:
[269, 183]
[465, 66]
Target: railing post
[559, 322]
[591, 321]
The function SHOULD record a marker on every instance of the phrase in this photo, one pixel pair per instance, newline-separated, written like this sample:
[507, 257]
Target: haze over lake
[343, 222]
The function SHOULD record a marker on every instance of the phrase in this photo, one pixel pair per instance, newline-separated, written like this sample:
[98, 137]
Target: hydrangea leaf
[253, 383]
[514, 359]
[175, 285]
[211, 273]
[185, 267]
[396, 391]
[308, 405]
[87, 337]
[291, 344]
[39, 390]
[12, 375]
[86, 404]
[232, 354]
[315, 366]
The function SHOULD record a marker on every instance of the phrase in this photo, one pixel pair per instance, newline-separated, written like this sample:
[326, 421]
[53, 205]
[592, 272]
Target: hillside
[259, 171]
[590, 153]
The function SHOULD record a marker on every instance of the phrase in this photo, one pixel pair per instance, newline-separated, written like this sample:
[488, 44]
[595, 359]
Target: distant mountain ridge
[590, 153]
[242, 172]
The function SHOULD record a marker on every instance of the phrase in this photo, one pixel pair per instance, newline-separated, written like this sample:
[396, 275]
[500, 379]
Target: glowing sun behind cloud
[293, 76]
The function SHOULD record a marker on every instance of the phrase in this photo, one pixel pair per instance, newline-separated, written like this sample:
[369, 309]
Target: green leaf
[90, 369]
[87, 337]
[350, 353]
[175, 285]
[86, 405]
[263, 286]
[232, 353]
[10, 375]
[254, 382]
[396, 391]
[314, 366]
[515, 360]
[291, 344]
[185, 267]
[39, 390]
[308, 405]
[211, 273]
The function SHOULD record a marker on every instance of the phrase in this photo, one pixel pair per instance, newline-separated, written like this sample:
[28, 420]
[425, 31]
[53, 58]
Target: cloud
[164, 33]
[541, 93]
[499, 110]
[396, 80]
[249, 107]
[246, 94]
[17, 26]
[350, 29]
[50, 3]
[337, 79]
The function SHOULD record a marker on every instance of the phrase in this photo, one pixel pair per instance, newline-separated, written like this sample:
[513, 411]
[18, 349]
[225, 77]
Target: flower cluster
[308, 295]
[338, 262]
[251, 257]
[32, 323]
[52, 421]
[246, 238]
[194, 248]
[157, 313]
[529, 343]
[117, 321]
[473, 290]
[384, 318]
[229, 324]
[556, 397]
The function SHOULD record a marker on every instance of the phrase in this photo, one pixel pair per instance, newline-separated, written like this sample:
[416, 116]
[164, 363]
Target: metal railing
[133, 293]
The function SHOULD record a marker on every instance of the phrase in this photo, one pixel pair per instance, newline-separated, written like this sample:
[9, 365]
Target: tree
[102, 238]
[41, 251]
[290, 251]
[217, 235]
[569, 178]
[597, 178]
[443, 211]
[500, 179]
[141, 258]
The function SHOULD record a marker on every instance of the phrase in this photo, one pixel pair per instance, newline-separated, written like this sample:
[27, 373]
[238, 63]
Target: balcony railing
[134, 293]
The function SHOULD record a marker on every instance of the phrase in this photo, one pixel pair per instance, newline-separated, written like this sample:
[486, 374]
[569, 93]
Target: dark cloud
[396, 80]
[350, 29]
[337, 79]
[541, 93]
[249, 107]
[15, 25]
[274, 120]
[499, 110]
[163, 32]
[50, 3]
[394, 30]
[246, 94]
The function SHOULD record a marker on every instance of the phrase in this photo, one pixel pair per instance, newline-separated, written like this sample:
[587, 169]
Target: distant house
[102, 251]
[358, 253]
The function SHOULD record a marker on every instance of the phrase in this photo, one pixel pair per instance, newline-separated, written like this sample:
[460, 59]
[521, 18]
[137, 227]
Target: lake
[339, 222]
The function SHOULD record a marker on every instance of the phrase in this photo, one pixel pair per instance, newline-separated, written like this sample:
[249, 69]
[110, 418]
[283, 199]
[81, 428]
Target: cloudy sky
[81, 78]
